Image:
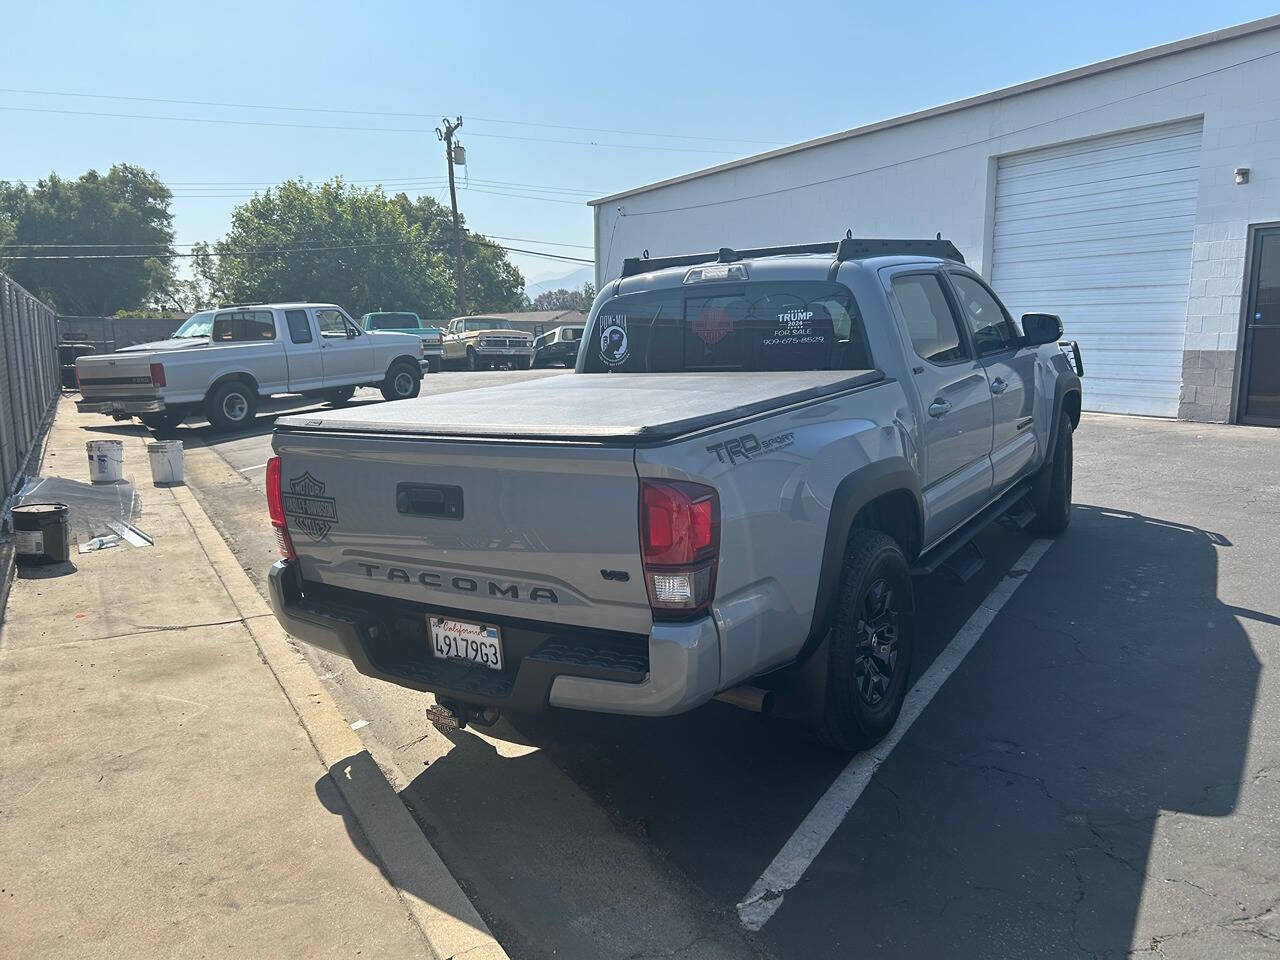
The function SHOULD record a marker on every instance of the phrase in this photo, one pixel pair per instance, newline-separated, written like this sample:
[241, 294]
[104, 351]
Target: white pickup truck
[220, 362]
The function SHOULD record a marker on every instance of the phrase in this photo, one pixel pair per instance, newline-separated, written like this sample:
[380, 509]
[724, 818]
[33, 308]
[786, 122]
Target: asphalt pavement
[1099, 776]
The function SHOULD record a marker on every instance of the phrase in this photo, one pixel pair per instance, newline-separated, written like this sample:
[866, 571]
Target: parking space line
[250, 469]
[788, 867]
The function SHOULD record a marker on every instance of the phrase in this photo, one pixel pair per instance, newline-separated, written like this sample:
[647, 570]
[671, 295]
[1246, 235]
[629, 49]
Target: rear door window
[804, 325]
[299, 326]
[242, 326]
[930, 323]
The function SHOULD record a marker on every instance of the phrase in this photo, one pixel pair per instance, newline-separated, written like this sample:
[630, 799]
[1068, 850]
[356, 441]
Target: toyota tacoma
[728, 497]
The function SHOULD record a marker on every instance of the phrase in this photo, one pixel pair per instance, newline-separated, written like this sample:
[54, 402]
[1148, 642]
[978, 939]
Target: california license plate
[462, 640]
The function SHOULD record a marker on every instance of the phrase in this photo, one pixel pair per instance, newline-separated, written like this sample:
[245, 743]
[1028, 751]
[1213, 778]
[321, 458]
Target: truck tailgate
[115, 376]
[499, 529]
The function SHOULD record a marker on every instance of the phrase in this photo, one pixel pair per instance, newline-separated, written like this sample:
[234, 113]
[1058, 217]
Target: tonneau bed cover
[604, 408]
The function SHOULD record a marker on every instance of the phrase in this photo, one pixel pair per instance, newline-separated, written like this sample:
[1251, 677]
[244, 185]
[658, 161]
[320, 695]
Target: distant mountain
[570, 281]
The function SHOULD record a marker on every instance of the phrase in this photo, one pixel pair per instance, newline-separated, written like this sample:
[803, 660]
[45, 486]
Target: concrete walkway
[159, 796]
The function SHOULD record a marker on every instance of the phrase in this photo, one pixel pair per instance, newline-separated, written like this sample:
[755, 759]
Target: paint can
[41, 533]
[106, 460]
[166, 461]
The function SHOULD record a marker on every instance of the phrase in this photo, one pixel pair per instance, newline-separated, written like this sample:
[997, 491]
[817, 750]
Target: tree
[327, 242]
[493, 281]
[563, 299]
[128, 207]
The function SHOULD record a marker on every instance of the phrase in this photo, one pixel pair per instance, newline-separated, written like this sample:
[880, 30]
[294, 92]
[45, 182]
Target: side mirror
[1041, 328]
[352, 333]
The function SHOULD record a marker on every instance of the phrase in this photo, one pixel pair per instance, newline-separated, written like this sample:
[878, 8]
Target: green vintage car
[404, 321]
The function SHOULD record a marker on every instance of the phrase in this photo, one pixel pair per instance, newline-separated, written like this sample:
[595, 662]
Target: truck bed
[600, 408]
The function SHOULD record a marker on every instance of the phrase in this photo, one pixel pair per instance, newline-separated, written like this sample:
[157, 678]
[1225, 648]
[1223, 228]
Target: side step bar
[938, 555]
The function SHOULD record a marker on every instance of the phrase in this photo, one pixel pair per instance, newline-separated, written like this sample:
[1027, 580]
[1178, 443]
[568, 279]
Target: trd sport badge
[308, 508]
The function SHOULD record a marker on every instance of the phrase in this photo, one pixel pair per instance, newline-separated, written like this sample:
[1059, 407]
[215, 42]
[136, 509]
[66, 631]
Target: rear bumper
[121, 407]
[674, 669]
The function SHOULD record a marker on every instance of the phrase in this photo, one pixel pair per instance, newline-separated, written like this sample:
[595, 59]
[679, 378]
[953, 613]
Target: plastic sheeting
[94, 507]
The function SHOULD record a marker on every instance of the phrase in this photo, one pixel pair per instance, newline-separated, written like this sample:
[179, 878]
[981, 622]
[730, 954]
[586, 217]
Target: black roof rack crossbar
[850, 248]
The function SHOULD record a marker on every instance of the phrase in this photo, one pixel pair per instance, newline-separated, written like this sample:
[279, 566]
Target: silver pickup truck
[728, 497]
[220, 362]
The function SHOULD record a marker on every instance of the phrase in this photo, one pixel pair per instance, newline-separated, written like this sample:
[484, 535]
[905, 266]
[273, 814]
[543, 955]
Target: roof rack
[849, 248]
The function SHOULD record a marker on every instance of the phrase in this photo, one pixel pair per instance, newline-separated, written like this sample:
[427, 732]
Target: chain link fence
[29, 381]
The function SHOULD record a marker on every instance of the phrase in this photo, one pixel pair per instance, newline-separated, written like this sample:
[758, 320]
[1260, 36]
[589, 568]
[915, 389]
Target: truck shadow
[1114, 689]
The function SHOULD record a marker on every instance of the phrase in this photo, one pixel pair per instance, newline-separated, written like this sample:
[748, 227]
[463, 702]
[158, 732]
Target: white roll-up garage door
[1100, 233]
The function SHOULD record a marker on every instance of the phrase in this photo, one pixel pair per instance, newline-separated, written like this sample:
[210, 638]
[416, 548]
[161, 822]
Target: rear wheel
[231, 405]
[339, 396]
[870, 646]
[403, 381]
[434, 364]
[1051, 495]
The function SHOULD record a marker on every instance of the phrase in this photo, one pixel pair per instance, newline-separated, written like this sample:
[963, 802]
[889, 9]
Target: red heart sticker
[712, 325]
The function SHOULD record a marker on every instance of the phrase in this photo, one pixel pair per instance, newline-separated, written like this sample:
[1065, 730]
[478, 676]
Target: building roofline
[1077, 73]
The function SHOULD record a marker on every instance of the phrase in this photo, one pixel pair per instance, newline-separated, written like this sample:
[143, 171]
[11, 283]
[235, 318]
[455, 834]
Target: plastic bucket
[41, 533]
[166, 461]
[106, 460]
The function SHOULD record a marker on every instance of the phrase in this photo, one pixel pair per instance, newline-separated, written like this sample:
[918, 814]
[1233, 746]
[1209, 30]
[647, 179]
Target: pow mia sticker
[308, 508]
[615, 348]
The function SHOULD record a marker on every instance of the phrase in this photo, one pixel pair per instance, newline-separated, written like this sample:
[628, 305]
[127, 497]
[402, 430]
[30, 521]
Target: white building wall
[936, 174]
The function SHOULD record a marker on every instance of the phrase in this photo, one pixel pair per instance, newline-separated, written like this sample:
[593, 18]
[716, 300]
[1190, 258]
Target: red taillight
[157, 374]
[275, 509]
[680, 545]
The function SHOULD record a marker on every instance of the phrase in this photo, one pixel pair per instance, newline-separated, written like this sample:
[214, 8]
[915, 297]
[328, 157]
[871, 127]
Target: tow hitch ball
[449, 716]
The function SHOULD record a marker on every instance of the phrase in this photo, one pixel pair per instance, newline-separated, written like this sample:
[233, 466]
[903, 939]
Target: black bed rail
[849, 248]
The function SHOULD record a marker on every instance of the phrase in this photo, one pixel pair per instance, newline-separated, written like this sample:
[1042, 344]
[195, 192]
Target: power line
[101, 246]
[278, 250]
[326, 126]
[381, 113]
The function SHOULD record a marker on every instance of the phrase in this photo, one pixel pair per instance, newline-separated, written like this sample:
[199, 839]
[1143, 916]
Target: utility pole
[446, 135]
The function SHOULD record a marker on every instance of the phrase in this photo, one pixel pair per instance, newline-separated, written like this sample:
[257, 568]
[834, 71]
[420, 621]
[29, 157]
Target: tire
[231, 406]
[434, 364]
[339, 396]
[473, 361]
[1051, 495]
[523, 363]
[870, 644]
[404, 380]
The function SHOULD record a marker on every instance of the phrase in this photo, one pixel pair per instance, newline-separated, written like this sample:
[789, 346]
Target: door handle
[939, 408]
[998, 385]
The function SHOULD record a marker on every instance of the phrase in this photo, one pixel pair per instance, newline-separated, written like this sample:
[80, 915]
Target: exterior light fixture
[1242, 174]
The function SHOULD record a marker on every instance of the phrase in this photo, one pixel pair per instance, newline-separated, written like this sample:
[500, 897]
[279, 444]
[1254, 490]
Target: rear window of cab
[744, 327]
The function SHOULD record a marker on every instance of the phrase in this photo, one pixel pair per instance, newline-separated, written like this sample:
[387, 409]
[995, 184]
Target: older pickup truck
[478, 343]
[728, 497]
[405, 321]
[220, 362]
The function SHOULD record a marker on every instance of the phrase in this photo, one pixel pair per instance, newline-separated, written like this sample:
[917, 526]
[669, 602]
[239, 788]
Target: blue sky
[746, 76]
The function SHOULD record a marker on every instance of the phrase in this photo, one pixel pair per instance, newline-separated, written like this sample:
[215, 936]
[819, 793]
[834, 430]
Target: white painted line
[250, 469]
[359, 724]
[788, 867]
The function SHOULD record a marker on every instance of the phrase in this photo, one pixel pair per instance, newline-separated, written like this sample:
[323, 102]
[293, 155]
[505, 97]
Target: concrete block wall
[1241, 130]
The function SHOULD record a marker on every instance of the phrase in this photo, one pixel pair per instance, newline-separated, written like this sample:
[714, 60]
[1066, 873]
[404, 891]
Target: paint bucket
[166, 461]
[41, 533]
[106, 460]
